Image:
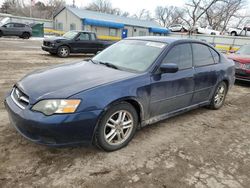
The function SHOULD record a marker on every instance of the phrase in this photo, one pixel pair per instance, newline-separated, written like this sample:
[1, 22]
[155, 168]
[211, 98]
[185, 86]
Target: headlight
[49, 107]
[247, 66]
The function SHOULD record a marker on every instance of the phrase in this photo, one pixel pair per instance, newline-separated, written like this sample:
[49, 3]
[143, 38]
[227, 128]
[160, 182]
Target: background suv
[16, 29]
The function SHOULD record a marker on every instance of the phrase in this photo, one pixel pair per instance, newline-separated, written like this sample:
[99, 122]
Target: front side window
[131, 55]
[202, 55]
[10, 25]
[180, 55]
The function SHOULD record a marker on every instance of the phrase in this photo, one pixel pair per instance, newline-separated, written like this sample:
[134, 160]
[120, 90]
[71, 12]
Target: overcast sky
[131, 6]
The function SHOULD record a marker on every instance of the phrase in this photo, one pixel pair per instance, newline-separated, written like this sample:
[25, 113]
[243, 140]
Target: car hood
[68, 79]
[54, 39]
[239, 58]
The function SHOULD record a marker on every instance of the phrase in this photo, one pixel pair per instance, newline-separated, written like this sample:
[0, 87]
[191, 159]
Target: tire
[111, 134]
[63, 51]
[25, 35]
[213, 33]
[233, 33]
[219, 96]
[1, 33]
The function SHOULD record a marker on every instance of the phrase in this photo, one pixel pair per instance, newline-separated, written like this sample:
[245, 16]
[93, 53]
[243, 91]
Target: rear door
[19, 29]
[205, 77]
[173, 91]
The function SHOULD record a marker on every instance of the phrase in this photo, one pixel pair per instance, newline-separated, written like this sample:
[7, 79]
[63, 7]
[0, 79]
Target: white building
[106, 26]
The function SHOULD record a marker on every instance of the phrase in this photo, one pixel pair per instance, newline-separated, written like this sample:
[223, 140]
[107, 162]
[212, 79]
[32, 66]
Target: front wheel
[117, 127]
[63, 51]
[219, 96]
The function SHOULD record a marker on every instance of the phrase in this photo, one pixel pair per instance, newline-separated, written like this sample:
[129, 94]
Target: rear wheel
[117, 127]
[219, 96]
[233, 33]
[63, 51]
[25, 35]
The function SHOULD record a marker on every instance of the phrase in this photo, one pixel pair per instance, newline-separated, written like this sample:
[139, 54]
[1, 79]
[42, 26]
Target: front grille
[20, 99]
[46, 43]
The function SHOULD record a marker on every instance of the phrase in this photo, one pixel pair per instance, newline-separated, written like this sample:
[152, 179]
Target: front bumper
[55, 130]
[242, 74]
[49, 49]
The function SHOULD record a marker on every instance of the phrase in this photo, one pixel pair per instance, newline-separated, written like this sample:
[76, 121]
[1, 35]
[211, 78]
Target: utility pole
[31, 3]
[74, 4]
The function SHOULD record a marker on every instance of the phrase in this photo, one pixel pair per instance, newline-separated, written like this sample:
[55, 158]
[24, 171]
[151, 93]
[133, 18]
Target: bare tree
[105, 6]
[39, 10]
[143, 14]
[169, 15]
[195, 9]
[220, 14]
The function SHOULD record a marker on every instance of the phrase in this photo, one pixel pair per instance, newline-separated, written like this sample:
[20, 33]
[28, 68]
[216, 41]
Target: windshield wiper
[108, 65]
[92, 61]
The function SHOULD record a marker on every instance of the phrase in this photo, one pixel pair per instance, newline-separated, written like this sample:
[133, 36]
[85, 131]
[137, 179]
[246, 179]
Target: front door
[83, 44]
[9, 29]
[173, 91]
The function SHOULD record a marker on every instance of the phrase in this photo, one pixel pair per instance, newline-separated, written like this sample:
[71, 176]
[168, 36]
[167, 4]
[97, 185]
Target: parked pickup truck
[74, 42]
[207, 30]
[239, 31]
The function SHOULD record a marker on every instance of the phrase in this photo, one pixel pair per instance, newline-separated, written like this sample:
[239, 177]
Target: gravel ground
[202, 148]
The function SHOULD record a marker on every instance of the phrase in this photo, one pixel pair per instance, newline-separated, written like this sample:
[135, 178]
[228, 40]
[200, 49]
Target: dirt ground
[202, 148]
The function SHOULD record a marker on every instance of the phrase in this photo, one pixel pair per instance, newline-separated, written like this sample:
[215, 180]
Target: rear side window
[180, 55]
[202, 55]
[19, 25]
[215, 55]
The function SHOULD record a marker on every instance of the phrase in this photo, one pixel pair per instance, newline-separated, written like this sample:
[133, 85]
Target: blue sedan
[133, 83]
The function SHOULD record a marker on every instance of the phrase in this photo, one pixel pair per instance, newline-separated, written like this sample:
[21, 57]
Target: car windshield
[244, 50]
[70, 34]
[133, 55]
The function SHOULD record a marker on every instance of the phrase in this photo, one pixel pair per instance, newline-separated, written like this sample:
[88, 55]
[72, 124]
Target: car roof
[164, 39]
[15, 23]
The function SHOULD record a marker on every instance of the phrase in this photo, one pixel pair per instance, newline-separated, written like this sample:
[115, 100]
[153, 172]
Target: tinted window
[84, 36]
[215, 55]
[9, 25]
[181, 55]
[202, 55]
[18, 25]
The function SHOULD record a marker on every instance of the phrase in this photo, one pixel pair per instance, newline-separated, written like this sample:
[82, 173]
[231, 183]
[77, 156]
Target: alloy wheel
[64, 52]
[119, 127]
[220, 95]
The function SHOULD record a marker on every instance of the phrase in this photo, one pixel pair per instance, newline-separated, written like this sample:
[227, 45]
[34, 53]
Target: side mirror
[169, 68]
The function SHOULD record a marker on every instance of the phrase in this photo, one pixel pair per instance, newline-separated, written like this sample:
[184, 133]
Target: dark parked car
[16, 29]
[135, 82]
[74, 42]
[242, 62]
